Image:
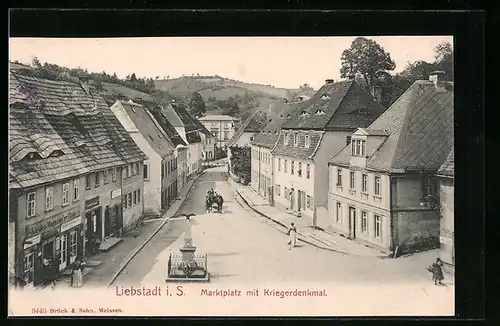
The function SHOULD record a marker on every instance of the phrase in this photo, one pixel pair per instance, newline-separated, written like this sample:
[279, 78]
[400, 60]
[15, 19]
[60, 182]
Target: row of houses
[382, 177]
[81, 173]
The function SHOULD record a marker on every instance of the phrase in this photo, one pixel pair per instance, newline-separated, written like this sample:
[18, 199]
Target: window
[299, 170]
[139, 196]
[285, 139]
[113, 174]
[65, 194]
[29, 267]
[338, 215]
[364, 222]
[353, 148]
[138, 167]
[278, 190]
[87, 181]
[377, 186]
[129, 195]
[76, 189]
[353, 180]
[226, 135]
[286, 163]
[378, 226]
[295, 140]
[145, 172]
[134, 172]
[428, 186]
[135, 197]
[97, 177]
[279, 164]
[364, 183]
[363, 148]
[292, 167]
[129, 168]
[125, 202]
[308, 171]
[339, 177]
[307, 141]
[287, 193]
[162, 170]
[105, 176]
[72, 245]
[309, 202]
[348, 140]
[358, 147]
[49, 199]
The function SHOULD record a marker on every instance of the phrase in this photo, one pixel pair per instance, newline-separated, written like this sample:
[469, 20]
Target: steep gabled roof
[344, 105]
[178, 116]
[420, 128]
[253, 124]
[270, 134]
[167, 127]
[448, 167]
[76, 131]
[146, 125]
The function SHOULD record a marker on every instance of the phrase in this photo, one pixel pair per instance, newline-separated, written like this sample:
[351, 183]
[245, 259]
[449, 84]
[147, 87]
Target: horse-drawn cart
[214, 201]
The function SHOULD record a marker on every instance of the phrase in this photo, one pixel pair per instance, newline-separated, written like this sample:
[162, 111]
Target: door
[73, 245]
[62, 244]
[107, 222]
[352, 222]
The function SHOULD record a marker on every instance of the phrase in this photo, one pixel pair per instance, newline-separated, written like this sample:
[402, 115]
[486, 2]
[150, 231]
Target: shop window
[73, 236]
[76, 189]
[29, 267]
[113, 174]
[97, 179]
[65, 194]
[105, 177]
[129, 199]
[49, 199]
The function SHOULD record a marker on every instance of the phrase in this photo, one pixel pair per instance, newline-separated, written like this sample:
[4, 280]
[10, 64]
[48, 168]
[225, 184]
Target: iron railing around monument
[195, 268]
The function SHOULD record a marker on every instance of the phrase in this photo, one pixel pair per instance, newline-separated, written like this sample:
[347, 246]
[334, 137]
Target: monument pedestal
[187, 253]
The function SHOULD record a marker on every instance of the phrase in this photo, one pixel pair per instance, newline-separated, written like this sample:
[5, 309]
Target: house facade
[190, 131]
[160, 188]
[318, 130]
[222, 127]
[262, 177]
[446, 179]
[383, 187]
[63, 130]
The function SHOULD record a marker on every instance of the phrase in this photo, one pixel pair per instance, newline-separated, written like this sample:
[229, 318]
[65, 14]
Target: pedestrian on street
[292, 232]
[76, 275]
[48, 273]
[437, 271]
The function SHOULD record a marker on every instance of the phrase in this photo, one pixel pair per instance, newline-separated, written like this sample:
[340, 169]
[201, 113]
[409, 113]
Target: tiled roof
[167, 127]
[254, 124]
[180, 117]
[144, 121]
[75, 131]
[217, 118]
[420, 128]
[448, 167]
[299, 151]
[270, 134]
[17, 66]
[344, 105]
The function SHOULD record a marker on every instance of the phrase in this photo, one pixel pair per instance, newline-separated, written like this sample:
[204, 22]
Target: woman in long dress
[437, 271]
[76, 275]
[292, 232]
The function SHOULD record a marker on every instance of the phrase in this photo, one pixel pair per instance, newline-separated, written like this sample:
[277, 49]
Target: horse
[211, 200]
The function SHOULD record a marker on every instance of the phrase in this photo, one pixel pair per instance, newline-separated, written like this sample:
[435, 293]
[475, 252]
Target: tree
[443, 59]
[133, 78]
[196, 105]
[418, 70]
[36, 63]
[366, 57]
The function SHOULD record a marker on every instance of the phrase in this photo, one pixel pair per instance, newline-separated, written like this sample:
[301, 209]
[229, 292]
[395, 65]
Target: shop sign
[91, 203]
[70, 224]
[116, 193]
[32, 241]
[52, 223]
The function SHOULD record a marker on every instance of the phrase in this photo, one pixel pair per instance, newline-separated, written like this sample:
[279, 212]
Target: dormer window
[295, 140]
[307, 141]
[304, 114]
[325, 97]
[320, 112]
[285, 138]
[358, 147]
[363, 111]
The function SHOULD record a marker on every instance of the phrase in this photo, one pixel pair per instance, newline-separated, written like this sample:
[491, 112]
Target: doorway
[107, 222]
[48, 250]
[352, 222]
[63, 251]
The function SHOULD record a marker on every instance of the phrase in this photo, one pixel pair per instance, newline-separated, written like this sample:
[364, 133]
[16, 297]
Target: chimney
[376, 92]
[351, 76]
[436, 77]
[329, 81]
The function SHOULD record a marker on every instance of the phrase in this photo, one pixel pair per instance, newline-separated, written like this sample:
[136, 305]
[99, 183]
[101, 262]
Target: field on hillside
[223, 93]
[125, 91]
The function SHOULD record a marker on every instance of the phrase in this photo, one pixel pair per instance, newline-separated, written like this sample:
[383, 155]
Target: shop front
[93, 225]
[113, 215]
[57, 241]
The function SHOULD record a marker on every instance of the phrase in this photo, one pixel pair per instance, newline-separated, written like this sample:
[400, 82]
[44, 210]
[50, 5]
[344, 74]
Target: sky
[286, 62]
